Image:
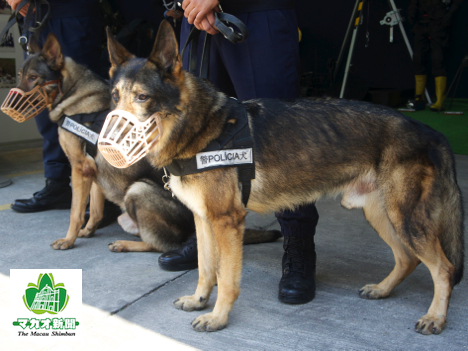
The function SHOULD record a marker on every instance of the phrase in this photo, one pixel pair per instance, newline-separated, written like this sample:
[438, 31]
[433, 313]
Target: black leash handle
[224, 22]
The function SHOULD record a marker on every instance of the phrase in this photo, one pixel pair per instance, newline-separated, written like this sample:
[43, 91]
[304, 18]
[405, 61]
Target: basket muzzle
[125, 140]
[22, 106]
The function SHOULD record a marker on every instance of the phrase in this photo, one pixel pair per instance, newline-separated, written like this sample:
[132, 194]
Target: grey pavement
[135, 297]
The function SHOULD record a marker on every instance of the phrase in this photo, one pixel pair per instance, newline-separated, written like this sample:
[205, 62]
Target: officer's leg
[266, 65]
[420, 53]
[439, 40]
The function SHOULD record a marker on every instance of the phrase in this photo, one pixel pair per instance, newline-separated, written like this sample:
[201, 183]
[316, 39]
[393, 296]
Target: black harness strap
[88, 133]
[234, 136]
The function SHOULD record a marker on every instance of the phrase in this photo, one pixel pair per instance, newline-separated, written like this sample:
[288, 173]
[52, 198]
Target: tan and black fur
[398, 170]
[149, 211]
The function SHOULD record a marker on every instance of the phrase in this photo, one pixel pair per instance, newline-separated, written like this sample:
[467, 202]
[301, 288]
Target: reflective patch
[224, 158]
[80, 130]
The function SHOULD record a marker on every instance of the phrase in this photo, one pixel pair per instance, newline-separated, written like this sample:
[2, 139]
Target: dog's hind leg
[131, 246]
[207, 258]
[441, 270]
[96, 211]
[162, 222]
[405, 260]
[424, 206]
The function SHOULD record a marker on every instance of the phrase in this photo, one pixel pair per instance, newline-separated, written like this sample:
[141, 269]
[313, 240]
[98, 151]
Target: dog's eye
[115, 96]
[142, 97]
[32, 78]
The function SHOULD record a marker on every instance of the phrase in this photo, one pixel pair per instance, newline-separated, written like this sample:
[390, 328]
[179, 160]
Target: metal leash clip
[165, 179]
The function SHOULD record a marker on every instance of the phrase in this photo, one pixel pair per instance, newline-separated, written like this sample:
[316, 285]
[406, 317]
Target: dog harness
[233, 148]
[76, 124]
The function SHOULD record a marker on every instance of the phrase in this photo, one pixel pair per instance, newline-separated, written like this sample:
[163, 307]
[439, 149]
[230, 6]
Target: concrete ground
[127, 299]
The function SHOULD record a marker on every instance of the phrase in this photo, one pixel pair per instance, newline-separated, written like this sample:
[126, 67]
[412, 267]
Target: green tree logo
[46, 296]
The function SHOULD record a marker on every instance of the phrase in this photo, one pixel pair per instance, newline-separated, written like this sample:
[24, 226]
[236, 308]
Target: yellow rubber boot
[440, 85]
[420, 85]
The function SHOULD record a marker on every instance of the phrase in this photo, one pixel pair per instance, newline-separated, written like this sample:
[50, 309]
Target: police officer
[265, 65]
[431, 20]
[77, 24]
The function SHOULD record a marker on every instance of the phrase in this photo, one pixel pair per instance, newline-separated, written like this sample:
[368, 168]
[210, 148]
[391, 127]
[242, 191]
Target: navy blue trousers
[80, 39]
[265, 65]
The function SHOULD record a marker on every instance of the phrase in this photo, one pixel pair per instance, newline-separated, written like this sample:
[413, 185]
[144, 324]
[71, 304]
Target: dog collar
[233, 148]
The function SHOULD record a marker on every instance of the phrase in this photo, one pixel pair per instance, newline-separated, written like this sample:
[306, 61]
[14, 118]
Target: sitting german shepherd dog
[398, 170]
[162, 222]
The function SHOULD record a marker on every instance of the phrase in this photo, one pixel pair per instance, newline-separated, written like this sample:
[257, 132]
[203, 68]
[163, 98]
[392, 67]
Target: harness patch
[80, 130]
[224, 158]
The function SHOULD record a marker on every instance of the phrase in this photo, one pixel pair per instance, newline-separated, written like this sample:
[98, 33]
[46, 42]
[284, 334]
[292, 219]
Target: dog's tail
[259, 236]
[452, 221]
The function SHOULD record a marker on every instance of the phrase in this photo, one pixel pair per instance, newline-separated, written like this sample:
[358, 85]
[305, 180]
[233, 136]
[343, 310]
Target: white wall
[9, 129]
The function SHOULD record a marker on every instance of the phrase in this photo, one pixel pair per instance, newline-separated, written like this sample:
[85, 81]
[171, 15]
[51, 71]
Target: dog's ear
[165, 52]
[117, 53]
[33, 45]
[52, 52]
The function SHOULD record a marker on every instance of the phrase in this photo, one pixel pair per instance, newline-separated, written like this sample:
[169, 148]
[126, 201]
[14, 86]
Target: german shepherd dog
[398, 170]
[162, 222]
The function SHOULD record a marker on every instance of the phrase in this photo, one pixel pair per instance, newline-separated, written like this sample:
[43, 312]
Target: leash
[24, 28]
[232, 28]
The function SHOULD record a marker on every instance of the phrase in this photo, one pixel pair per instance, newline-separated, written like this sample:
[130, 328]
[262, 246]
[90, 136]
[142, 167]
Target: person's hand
[14, 4]
[200, 13]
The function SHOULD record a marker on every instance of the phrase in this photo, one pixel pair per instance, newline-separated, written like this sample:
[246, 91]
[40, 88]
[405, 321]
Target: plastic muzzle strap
[125, 140]
[22, 106]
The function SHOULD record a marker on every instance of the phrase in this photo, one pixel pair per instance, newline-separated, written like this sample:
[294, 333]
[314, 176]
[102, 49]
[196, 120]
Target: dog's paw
[117, 246]
[62, 244]
[86, 233]
[428, 325]
[372, 292]
[190, 303]
[209, 322]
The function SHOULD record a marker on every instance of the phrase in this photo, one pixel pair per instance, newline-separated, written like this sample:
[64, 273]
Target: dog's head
[157, 87]
[39, 81]
[146, 91]
[146, 86]
[42, 66]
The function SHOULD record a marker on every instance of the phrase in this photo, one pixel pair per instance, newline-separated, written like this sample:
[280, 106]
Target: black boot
[109, 216]
[56, 195]
[297, 285]
[181, 259]
[417, 103]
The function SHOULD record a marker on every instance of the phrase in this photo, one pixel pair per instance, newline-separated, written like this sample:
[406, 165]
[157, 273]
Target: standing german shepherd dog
[149, 211]
[399, 171]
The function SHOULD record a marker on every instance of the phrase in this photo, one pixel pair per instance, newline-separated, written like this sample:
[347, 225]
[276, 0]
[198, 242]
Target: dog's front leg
[96, 211]
[206, 268]
[228, 233]
[82, 179]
